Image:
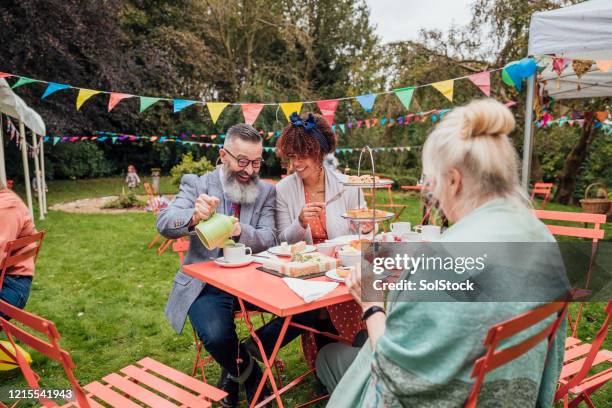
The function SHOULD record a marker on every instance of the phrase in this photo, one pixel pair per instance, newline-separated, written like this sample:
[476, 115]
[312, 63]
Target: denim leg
[15, 291]
[212, 316]
[268, 334]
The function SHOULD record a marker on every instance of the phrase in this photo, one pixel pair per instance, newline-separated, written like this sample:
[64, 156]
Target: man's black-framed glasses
[242, 162]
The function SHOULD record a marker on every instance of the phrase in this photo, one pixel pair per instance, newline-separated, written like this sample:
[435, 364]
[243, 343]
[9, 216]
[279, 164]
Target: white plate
[246, 261]
[286, 251]
[379, 184]
[331, 274]
[344, 239]
[387, 215]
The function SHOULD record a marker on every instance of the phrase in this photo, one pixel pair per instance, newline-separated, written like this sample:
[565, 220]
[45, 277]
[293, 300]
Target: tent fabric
[581, 31]
[12, 105]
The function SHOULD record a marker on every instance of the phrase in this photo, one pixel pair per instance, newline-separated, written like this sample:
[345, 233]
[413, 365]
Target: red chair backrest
[590, 358]
[542, 188]
[594, 234]
[49, 347]
[152, 198]
[495, 358]
[19, 250]
[181, 246]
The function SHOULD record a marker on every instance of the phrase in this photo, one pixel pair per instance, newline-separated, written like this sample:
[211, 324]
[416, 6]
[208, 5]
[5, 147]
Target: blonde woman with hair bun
[421, 353]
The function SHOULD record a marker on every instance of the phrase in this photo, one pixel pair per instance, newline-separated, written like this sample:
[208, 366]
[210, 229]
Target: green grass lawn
[106, 293]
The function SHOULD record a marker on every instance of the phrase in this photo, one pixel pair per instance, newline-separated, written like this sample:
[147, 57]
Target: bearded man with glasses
[233, 188]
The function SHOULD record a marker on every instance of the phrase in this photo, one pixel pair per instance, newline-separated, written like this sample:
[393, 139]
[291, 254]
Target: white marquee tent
[12, 105]
[581, 31]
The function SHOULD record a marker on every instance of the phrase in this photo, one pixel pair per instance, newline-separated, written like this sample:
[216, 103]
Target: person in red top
[16, 222]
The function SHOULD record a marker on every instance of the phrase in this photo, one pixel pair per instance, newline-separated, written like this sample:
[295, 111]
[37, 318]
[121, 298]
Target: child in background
[132, 178]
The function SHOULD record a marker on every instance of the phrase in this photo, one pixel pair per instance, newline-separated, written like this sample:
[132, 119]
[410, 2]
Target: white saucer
[331, 274]
[246, 261]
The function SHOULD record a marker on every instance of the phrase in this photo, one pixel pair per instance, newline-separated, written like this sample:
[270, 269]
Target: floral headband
[310, 126]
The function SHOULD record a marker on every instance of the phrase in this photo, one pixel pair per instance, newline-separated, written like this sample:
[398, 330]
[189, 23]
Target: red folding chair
[154, 204]
[580, 357]
[542, 189]
[19, 250]
[147, 382]
[180, 247]
[594, 234]
[396, 209]
[495, 357]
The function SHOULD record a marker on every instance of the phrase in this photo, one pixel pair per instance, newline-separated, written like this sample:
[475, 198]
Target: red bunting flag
[115, 98]
[251, 112]
[5, 75]
[328, 109]
[483, 81]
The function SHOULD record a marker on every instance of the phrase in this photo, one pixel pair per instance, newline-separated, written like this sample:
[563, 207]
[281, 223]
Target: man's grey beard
[237, 192]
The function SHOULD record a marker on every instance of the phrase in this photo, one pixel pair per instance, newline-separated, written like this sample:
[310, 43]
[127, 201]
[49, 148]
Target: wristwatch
[372, 310]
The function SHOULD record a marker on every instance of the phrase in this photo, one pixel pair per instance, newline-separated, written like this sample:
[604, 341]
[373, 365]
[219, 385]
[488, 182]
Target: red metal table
[270, 293]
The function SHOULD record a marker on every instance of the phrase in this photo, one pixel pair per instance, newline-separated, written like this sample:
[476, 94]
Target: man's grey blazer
[257, 222]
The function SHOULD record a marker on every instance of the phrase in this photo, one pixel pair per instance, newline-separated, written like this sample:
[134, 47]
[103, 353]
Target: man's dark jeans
[15, 291]
[212, 316]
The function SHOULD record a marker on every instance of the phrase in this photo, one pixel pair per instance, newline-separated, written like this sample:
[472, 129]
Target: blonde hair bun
[486, 117]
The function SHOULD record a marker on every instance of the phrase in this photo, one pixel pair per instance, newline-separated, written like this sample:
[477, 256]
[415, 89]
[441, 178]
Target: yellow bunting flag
[290, 107]
[446, 88]
[84, 94]
[215, 109]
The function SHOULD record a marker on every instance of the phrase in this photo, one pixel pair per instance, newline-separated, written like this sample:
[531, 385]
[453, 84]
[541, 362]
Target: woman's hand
[353, 283]
[309, 211]
[367, 227]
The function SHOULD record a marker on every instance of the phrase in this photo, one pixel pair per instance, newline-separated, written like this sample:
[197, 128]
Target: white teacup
[236, 253]
[429, 232]
[399, 228]
[327, 248]
[350, 258]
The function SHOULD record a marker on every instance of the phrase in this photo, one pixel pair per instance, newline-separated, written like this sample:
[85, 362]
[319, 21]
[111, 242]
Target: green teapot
[216, 231]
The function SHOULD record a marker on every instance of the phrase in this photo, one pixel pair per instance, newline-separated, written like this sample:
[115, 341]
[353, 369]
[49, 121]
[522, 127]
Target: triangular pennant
[446, 88]
[367, 123]
[367, 101]
[55, 140]
[328, 109]
[289, 107]
[342, 127]
[602, 65]
[115, 98]
[359, 122]
[215, 109]
[5, 75]
[251, 112]
[23, 81]
[84, 94]
[405, 95]
[53, 87]
[146, 102]
[483, 81]
[180, 104]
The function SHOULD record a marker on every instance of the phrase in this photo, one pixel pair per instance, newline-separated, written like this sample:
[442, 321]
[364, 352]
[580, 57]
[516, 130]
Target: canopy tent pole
[39, 183]
[26, 169]
[528, 139]
[2, 165]
[44, 180]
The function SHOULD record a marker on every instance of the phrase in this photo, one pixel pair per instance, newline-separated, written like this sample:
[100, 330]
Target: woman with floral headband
[302, 215]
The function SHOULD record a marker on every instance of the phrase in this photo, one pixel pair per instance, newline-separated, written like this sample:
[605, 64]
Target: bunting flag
[289, 107]
[251, 111]
[328, 109]
[558, 65]
[53, 87]
[115, 98]
[603, 66]
[366, 101]
[180, 104]
[55, 140]
[146, 102]
[342, 127]
[5, 75]
[215, 109]
[446, 88]
[84, 94]
[23, 81]
[483, 81]
[405, 95]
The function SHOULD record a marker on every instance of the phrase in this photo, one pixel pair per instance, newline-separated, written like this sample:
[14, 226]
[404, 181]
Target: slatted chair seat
[144, 383]
[579, 359]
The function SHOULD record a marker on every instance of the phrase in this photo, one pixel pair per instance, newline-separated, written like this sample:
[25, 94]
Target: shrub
[189, 166]
[125, 200]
